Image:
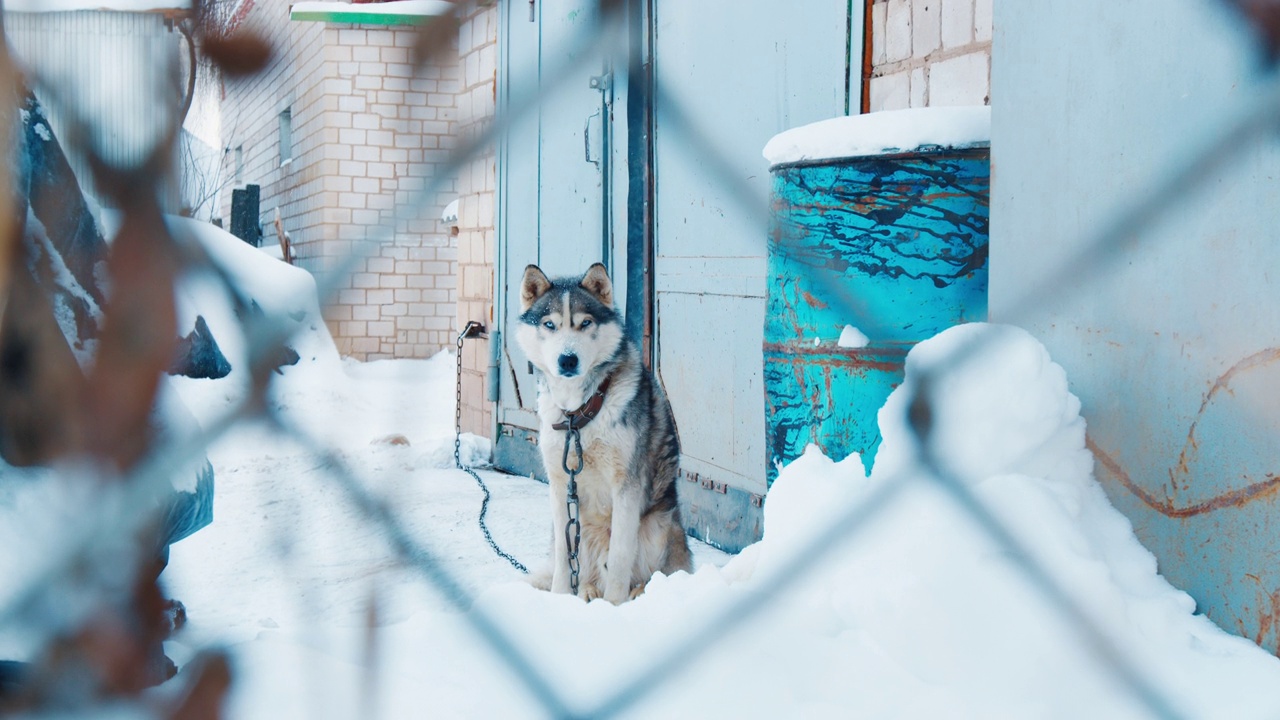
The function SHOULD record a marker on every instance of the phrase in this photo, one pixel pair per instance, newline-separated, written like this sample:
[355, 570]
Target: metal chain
[457, 456]
[573, 528]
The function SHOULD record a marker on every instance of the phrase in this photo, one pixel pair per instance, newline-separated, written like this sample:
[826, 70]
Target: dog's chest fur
[608, 449]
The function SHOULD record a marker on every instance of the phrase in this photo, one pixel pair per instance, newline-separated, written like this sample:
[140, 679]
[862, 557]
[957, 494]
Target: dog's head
[569, 325]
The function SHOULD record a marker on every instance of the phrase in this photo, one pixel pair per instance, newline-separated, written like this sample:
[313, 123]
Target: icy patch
[43, 131]
[891, 131]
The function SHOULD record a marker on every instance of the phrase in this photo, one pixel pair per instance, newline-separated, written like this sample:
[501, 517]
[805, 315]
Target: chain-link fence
[93, 420]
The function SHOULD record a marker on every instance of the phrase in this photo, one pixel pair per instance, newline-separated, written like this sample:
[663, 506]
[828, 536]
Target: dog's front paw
[541, 579]
[637, 591]
[588, 591]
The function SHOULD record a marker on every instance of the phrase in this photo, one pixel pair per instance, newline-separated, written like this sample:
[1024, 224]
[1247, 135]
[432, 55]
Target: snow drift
[919, 614]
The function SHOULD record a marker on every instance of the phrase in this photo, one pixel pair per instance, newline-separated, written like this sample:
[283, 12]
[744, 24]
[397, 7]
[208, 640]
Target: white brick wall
[368, 137]
[476, 239]
[930, 53]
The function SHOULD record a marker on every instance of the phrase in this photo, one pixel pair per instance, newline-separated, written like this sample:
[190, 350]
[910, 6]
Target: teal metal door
[740, 71]
[558, 165]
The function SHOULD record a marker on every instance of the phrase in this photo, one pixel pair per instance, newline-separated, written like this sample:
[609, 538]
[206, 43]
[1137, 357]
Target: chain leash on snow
[573, 528]
[473, 329]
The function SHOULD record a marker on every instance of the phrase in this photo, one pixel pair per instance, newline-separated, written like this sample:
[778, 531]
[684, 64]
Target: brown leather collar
[578, 419]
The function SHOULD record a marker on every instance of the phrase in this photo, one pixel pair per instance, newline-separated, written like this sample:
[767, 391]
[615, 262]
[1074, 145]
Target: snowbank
[891, 131]
[920, 615]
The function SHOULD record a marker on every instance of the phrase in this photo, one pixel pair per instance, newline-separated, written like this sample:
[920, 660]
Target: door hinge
[532, 11]
[603, 83]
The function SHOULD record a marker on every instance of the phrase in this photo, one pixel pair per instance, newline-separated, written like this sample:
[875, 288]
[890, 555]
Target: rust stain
[813, 301]
[1234, 498]
[1268, 611]
[1192, 446]
[1180, 473]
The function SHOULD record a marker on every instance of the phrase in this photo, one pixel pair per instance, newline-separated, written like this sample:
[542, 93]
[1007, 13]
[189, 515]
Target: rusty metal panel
[1172, 342]
[901, 238]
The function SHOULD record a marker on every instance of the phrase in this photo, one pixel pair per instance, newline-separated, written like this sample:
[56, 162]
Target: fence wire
[139, 477]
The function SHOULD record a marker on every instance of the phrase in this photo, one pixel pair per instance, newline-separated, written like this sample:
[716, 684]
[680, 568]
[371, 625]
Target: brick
[366, 217]
[408, 295]
[891, 92]
[926, 28]
[380, 264]
[392, 281]
[957, 23]
[351, 200]
[352, 37]
[348, 136]
[352, 328]
[409, 322]
[982, 20]
[352, 297]
[897, 31]
[366, 121]
[353, 168]
[379, 297]
[364, 312]
[364, 345]
[382, 328]
[962, 80]
[918, 87]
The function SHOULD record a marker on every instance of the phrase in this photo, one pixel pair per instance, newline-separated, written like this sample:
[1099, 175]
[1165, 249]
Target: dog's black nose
[568, 364]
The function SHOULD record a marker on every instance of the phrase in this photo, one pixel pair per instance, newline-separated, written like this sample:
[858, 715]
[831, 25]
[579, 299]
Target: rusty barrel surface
[894, 246]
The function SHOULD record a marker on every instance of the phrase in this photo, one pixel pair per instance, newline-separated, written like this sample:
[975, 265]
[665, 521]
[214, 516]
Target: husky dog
[591, 377]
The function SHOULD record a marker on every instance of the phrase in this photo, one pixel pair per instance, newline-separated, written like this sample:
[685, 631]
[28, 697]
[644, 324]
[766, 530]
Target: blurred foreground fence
[86, 407]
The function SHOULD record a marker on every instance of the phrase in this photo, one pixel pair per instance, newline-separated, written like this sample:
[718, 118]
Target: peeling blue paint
[895, 246]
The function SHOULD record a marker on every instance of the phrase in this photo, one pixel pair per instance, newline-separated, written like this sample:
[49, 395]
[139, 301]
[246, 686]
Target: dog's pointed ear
[534, 285]
[596, 282]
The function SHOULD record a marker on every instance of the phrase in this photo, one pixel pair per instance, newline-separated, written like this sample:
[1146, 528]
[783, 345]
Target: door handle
[586, 140]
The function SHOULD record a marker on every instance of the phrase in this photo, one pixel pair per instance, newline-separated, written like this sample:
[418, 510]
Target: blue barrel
[893, 245]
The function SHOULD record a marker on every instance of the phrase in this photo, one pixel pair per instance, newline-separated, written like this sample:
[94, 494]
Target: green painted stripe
[358, 17]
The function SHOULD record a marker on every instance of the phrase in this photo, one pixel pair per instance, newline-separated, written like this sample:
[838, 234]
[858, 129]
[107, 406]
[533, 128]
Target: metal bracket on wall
[603, 83]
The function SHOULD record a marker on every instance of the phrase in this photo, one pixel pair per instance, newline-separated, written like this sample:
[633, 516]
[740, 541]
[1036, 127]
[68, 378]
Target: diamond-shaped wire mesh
[98, 569]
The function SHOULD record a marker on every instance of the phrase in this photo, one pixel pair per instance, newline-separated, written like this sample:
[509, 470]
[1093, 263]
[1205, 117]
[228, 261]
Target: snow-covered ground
[920, 615]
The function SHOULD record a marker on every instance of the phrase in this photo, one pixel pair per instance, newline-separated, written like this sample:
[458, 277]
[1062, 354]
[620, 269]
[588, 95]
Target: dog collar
[578, 419]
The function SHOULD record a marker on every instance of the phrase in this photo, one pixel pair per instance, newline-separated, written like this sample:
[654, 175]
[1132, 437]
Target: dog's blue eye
[549, 325]
[585, 324]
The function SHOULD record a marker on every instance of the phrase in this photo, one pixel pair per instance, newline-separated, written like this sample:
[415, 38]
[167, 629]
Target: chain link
[457, 457]
[573, 528]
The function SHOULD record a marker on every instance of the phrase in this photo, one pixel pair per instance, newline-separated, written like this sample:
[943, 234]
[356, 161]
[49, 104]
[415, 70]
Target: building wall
[1171, 341]
[930, 53]
[478, 48]
[368, 136]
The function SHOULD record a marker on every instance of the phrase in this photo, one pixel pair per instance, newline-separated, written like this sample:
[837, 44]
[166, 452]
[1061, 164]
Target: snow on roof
[891, 131]
[40, 6]
[388, 13]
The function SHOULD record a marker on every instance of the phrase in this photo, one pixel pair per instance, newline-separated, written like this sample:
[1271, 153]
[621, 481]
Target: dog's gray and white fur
[631, 526]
